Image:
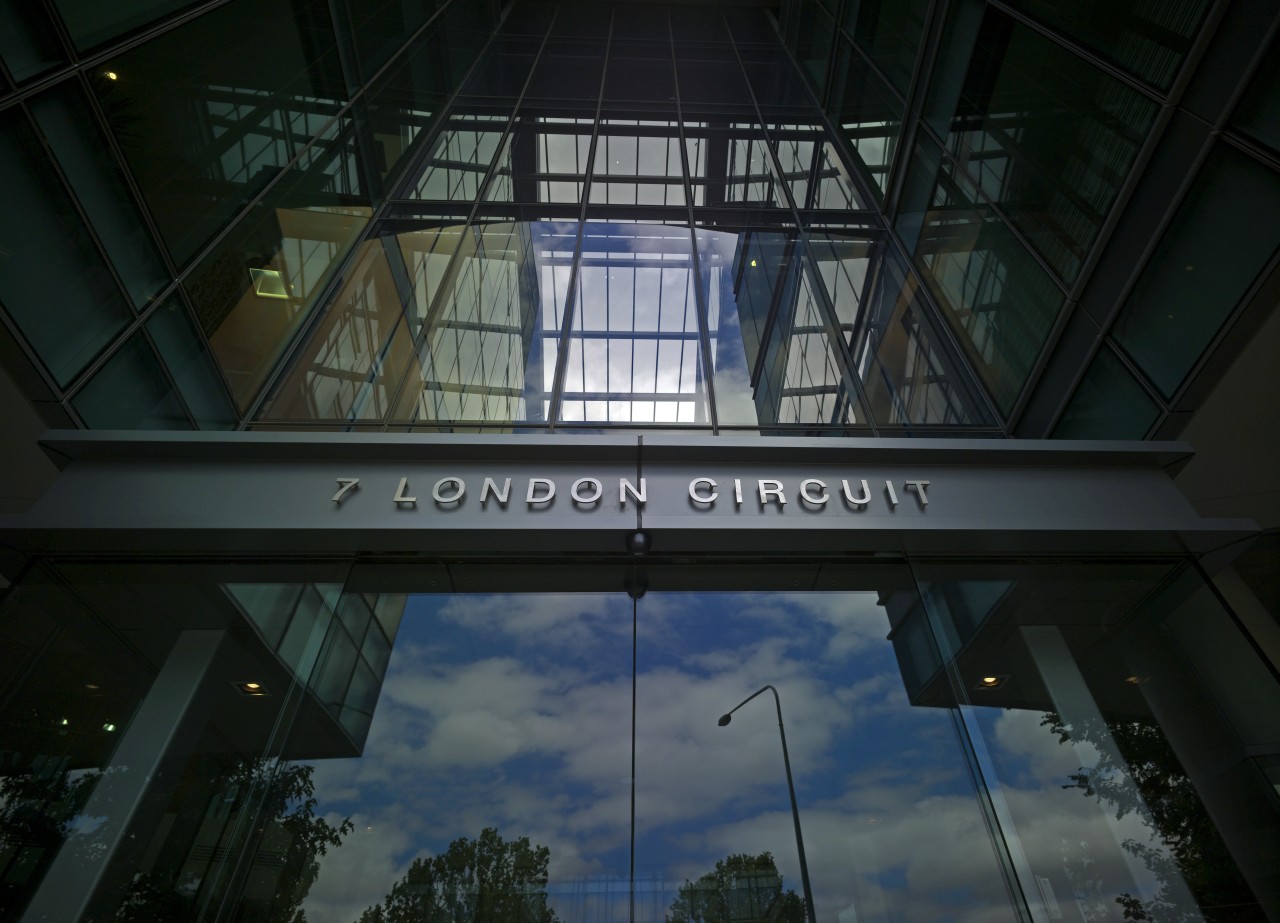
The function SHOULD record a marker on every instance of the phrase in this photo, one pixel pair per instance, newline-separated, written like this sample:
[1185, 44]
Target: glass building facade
[761, 227]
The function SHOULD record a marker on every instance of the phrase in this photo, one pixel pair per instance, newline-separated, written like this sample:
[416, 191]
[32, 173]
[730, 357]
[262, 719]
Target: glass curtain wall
[918, 742]
[630, 218]
[1004, 141]
[185, 180]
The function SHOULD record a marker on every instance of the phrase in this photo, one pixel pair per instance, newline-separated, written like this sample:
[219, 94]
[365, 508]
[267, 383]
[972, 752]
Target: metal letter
[893, 494]
[858, 501]
[573, 491]
[626, 487]
[491, 487]
[693, 490]
[345, 486]
[804, 491]
[773, 490]
[918, 487]
[545, 482]
[435, 491]
[737, 491]
[400, 493]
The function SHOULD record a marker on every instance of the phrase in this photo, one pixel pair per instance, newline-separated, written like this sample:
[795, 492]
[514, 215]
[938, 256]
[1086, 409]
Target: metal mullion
[703, 315]
[566, 326]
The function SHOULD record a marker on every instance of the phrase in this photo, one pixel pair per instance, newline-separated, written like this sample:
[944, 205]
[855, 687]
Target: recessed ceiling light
[111, 75]
[1135, 680]
[251, 689]
[92, 686]
[990, 681]
[108, 727]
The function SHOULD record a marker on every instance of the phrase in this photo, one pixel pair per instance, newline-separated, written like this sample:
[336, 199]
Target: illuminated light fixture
[108, 727]
[64, 722]
[268, 283]
[251, 689]
[991, 682]
[1135, 680]
[92, 687]
[111, 75]
[753, 262]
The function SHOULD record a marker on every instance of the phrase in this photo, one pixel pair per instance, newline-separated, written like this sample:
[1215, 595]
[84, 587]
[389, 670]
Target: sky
[515, 712]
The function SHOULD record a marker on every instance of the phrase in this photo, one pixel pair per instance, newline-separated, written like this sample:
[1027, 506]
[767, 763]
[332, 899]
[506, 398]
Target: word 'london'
[703, 492]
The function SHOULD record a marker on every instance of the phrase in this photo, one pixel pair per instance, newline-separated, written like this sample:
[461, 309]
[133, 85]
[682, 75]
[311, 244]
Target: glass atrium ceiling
[644, 230]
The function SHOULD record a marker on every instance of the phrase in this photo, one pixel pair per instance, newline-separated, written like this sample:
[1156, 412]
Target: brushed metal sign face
[265, 492]
[449, 491]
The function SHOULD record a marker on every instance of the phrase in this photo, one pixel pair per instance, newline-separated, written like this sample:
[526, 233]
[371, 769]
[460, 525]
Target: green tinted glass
[1108, 404]
[1223, 234]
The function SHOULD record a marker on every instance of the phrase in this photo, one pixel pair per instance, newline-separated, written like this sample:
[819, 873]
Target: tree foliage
[485, 880]
[1164, 796]
[741, 889]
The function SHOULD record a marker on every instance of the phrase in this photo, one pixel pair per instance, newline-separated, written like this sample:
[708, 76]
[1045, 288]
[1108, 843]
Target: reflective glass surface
[1149, 41]
[1224, 233]
[1096, 695]
[351, 365]
[131, 391]
[201, 142]
[492, 322]
[985, 741]
[1043, 134]
[41, 228]
[634, 352]
[992, 291]
[1108, 404]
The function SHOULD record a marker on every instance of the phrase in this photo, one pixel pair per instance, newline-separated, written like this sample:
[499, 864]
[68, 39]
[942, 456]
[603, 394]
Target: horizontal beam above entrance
[499, 496]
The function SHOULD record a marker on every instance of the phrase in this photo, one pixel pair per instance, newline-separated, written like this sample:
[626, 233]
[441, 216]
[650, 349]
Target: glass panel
[1258, 114]
[802, 379]
[796, 146]
[638, 169]
[69, 126]
[1046, 136]
[567, 72]
[906, 375]
[544, 159]
[41, 228]
[732, 166]
[740, 271]
[28, 43]
[351, 366]
[130, 391]
[1108, 404]
[502, 70]
[91, 23]
[634, 353]
[774, 81]
[640, 72]
[868, 114]
[489, 354]
[1119, 717]
[202, 141]
[1148, 40]
[992, 291]
[192, 366]
[889, 34]
[493, 784]
[400, 105]
[1221, 237]
[457, 164]
[710, 76]
[890, 827]
[253, 293]
[379, 29]
[814, 31]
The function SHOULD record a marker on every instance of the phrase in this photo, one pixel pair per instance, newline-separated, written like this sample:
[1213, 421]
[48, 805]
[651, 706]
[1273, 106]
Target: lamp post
[791, 790]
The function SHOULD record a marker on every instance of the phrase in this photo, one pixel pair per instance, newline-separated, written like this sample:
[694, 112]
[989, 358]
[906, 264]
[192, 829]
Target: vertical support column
[75, 875]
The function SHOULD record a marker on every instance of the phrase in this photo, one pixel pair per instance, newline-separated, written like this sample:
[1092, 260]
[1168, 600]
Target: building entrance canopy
[502, 496]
